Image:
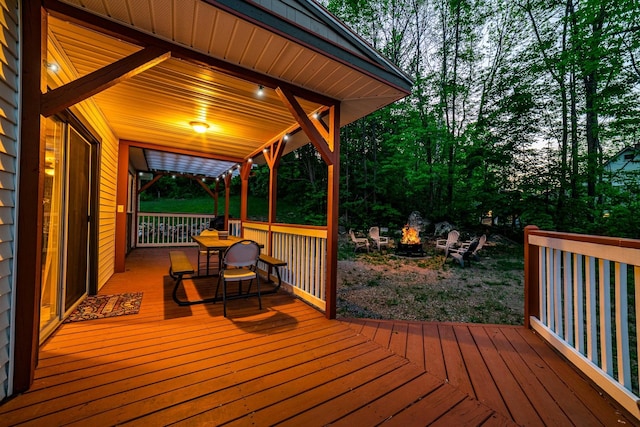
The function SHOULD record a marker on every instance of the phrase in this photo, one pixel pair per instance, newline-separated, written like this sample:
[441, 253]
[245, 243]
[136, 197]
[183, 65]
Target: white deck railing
[583, 297]
[303, 248]
[235, 227]
[305, 251]
[163, 229]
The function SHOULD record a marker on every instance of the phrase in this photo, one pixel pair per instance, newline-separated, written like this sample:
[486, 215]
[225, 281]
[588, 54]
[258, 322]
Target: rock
[442, 228]
[415, 221]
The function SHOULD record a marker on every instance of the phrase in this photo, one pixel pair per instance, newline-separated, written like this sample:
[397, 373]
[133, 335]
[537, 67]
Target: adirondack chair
[481, 241]
[360, 242]
[462, 255]
[380, 241]
[469, 250]
[449, 242]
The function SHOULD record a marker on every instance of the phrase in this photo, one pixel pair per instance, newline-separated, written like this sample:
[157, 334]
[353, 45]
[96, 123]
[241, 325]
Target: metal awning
[146, 160]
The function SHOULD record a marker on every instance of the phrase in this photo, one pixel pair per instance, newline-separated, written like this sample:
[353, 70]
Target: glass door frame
[70, 123]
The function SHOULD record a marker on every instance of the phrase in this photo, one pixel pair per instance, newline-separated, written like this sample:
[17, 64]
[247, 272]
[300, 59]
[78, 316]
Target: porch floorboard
[288, 365]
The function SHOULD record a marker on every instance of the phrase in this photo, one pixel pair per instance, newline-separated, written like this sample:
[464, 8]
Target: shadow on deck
[288, 365]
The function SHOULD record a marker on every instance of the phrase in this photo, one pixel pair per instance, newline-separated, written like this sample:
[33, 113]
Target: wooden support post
[121, 207]
[531, 278]
[332, 212]
[28, 258]
[328, 146]
[273, 156]
[215, 198]
[227, 184]
[245, 171]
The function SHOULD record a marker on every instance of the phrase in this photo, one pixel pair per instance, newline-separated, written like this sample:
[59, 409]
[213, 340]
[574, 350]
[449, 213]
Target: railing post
[531, 278]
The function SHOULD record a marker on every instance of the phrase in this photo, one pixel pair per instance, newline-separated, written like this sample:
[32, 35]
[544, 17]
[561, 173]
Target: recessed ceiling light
[53, 67]
[200, 127]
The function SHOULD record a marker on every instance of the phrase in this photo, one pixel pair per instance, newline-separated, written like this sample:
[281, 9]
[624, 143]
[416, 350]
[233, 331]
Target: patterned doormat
[101, 306]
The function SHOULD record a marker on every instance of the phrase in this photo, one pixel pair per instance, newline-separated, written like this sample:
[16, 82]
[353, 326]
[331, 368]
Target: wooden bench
[272, 263]
[180, 266]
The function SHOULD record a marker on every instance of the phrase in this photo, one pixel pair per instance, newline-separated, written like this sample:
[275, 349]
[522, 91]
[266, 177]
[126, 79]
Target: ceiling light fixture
[200, 127]
[260, 90]
[53, 67]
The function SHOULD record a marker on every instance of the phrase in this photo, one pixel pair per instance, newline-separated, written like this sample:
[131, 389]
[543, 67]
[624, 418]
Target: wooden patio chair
[464, 253]
[360, 242]
[450, 242]
[239, 263]
[380, 241]
[481, 241]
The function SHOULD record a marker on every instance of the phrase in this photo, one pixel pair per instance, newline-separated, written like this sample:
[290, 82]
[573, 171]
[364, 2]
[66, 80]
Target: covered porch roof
[137, 73]
[224, 63]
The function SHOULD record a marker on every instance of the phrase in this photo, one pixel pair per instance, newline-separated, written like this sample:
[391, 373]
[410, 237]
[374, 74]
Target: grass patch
[499, 283]
[257, 207]
[508, 265]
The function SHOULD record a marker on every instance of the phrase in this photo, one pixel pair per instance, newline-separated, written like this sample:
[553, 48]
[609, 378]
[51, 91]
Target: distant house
[624, 167]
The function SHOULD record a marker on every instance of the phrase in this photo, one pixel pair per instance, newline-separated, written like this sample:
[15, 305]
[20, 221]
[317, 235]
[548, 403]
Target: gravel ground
[386, 286]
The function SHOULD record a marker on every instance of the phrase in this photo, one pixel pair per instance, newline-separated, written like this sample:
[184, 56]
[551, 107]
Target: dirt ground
[386, 286]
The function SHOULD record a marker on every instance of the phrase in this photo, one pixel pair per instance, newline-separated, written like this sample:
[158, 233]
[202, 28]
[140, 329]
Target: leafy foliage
[515, 108]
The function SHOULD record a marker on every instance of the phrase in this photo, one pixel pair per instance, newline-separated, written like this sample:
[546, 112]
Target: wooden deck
[288, 365]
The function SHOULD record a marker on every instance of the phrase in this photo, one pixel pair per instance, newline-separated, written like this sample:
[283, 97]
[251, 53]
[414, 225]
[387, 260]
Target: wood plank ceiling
[156, 106]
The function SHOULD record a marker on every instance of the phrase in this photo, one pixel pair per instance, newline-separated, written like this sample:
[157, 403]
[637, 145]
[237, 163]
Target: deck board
[433, 354]
[518, 405]
[545, 405]
[429, 408]
[288, 365]
[483, 384]
[457, 373]
[392, 402]
[508, 369]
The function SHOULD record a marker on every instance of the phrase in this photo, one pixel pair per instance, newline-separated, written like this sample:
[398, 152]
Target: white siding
[9, 87]
[108, 168]
[624, 166]
[107, 189]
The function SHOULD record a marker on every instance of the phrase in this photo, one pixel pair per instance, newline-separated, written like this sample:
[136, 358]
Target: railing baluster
[622, 325]
[557, 288]
[543, 286]
[550, 292]
[578, 306]
[592, 336]
[568, 299]
[605, 316]
[636, 288]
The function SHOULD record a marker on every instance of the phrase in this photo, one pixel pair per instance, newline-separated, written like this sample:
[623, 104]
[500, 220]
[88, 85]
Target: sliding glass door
[52, 228]
[66, 220]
